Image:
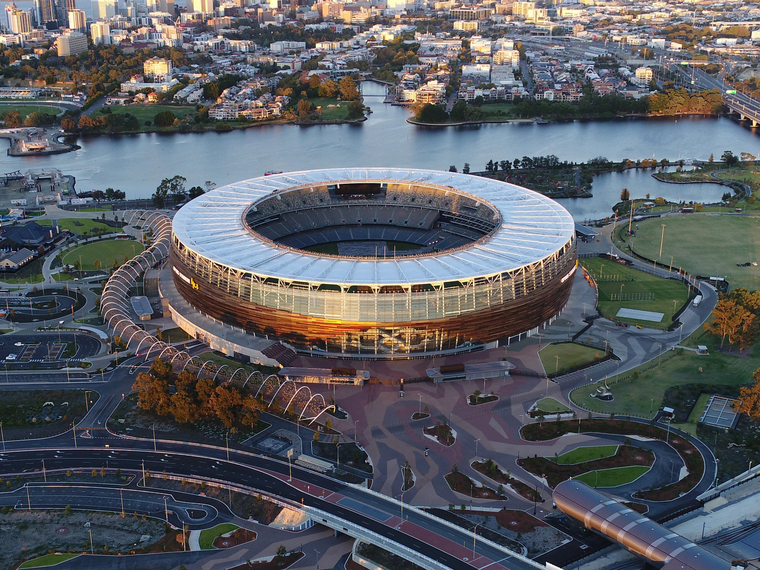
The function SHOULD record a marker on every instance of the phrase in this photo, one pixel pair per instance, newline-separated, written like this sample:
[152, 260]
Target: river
[138, 163]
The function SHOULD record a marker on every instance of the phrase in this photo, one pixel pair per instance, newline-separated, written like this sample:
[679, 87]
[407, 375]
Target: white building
[19, 21]
[101, 33]
[71, 43]
[202, 6]
[285, 47]
[77, 21]
[643, 75]
[158, 68]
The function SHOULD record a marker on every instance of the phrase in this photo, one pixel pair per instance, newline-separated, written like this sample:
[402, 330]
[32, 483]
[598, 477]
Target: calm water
[138, 163]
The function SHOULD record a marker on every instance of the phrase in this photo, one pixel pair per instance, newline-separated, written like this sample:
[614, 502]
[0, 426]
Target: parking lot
[46, 350]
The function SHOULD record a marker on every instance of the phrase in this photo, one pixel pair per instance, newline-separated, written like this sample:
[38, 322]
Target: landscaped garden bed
[351, 455]
[461, 483]
[238, 536]
[420, 416]
[492, 471]
[555, 473]
[548, 406]
[442, 433]
[689, 453]
[477, 398]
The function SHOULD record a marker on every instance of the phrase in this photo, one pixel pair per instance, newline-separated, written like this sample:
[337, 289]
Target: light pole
[87, 400]
[662, 239]
[44, 473]
[556, 370]
[2, 436]
[601, 271]
[355, 425]
[318, 553]
[166, 509]
[476, 448]
[92, 549]
[121, 496]
[74, 431]
[474, 539]
[68, 378]
[154, 436]
[227, 443]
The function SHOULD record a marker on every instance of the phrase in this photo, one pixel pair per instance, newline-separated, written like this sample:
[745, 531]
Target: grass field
[551, 406]
[696, 413]
[705, 245]
[81, 226]
[584, 454]
[105, 252]
[175, 334]
[148, 112]
[669, 294]
[338, 112]
[570, 355]
[643, 396]
[207, 537]
[25, 110]
[48, 560]
[613, 477]
[494, 108]
[220, 360]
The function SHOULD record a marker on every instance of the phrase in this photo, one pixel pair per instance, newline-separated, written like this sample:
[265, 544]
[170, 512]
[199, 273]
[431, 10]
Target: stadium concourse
[441, 263]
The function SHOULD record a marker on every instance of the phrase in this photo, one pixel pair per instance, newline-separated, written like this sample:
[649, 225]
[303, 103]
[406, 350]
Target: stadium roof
[532, 227]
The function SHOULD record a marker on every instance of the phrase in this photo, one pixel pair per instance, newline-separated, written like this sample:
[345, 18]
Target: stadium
[375, 262]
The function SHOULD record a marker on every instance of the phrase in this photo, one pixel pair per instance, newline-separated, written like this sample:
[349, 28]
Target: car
[11, 357]
[19, 344]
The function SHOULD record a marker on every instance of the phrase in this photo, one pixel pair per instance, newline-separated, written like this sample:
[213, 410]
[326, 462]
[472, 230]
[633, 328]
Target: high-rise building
[71, 43]
[204, 6]
[158, 68]
[19, 21]
[101, 33]
[166, 6]
[62, 9]
[104, 9]
[78, 21]
[45, 11]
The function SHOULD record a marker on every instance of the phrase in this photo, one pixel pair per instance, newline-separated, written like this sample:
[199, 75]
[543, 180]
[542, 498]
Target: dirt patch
[442, 433]
[29, 534]
[240, 536]
[492, 471]
[555, 473]
[461, 483]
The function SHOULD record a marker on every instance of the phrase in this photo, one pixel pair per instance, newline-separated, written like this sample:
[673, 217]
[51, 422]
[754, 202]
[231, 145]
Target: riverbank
[36, 141]
[543, 121]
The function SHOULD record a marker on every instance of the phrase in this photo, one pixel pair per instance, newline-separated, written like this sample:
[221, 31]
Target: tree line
[735, 318]
[188, 399]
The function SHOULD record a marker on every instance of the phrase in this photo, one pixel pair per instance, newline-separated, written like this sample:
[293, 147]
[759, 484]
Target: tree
[68, 125]
[355, 110]
[304, 108]
[729, 158]
[452, 168]
[430, 113]
[348, 90]
[164, 119]
[749, 398]
[729, 318]
[328, 89]
[625, 195]
[174, 187]
[466, 168]
[12, 119]
[195, 191]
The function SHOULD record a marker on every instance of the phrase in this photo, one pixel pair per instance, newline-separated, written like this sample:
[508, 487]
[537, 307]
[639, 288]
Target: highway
[446, 544]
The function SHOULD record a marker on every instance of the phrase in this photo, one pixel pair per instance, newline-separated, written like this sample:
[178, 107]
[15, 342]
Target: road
[382, 515]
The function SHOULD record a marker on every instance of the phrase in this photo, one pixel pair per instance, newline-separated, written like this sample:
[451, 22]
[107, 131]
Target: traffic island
[442, 433]
[462, 484]
[494, 472]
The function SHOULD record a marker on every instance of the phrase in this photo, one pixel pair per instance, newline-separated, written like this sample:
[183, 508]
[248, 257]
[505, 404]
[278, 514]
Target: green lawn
[642, 396]
[48, 560]
[81, 226]
[584, 454]
[338, 111]
[326, 248]
[490, 109]
[570, 355]
[613, 477]
[551, 406]
[105, 252]
[175, 334]
[207, 536]
[148, 112]
[613, 278]
[705, 245]
[696, 413]
[25, 110]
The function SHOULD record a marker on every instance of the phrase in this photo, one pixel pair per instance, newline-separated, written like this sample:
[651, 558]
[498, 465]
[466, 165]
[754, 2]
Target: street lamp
[355, 425]
[662, 239]
[474, 538]
[318, 553]
[154, 436]
[476, 448]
